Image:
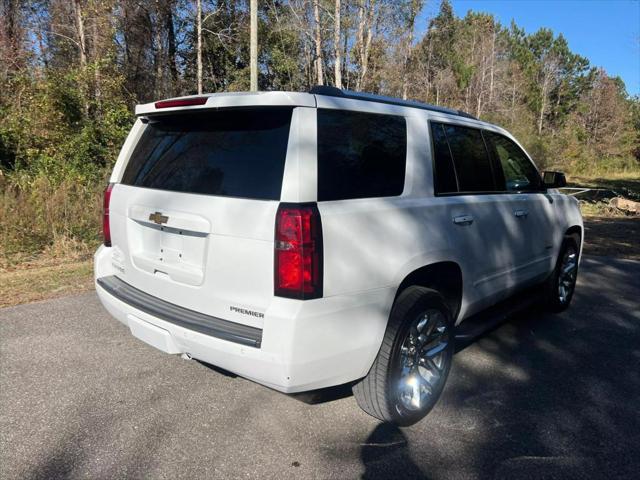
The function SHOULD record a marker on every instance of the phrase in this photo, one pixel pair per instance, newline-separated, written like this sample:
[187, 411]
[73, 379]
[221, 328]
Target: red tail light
[182, 102]
[298, 251]
[106, 230]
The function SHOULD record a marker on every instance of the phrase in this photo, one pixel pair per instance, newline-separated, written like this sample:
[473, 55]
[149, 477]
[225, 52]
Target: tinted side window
[519, 173]
[471, 159]
[444, 173]
[232, 153]
[360, 155]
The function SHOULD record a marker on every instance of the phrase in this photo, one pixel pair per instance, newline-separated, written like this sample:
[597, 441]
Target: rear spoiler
[228, 100]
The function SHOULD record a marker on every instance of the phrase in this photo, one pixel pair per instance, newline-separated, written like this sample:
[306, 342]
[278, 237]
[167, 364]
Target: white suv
[305, 240]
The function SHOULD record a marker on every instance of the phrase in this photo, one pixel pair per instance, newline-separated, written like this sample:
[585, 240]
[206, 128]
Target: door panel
[484, 231]
[538, 257]
[531, 208]
[483, 228]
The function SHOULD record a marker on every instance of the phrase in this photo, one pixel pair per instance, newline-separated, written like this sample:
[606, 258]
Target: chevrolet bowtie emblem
[158, 218]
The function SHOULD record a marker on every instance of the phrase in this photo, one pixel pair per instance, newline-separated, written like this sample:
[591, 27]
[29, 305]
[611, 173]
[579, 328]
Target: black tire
[555, 301]
[379, 393]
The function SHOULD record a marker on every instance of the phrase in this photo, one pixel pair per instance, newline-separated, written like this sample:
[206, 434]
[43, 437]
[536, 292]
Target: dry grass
[47, 235]
[41, 281]
[50, 221]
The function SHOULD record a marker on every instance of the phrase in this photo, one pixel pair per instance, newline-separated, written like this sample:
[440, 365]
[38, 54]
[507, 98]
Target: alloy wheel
[423, 360]
[567, 274]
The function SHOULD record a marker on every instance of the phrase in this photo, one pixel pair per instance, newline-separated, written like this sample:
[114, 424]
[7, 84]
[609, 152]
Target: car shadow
[324, 395]
[613, 236]
[543, 396]
[385, 454]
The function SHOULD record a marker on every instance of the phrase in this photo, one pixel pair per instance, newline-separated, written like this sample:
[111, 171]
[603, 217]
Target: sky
[607, 32]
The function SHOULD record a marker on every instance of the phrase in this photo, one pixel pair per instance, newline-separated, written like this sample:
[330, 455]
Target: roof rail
[336, 92]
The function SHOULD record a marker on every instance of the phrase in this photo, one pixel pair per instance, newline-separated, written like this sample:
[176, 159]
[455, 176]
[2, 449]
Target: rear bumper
[304, 345]
[206, 324]
[171, 338]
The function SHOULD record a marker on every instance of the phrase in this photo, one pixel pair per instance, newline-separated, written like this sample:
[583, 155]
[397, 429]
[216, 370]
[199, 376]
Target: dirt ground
[616, 237]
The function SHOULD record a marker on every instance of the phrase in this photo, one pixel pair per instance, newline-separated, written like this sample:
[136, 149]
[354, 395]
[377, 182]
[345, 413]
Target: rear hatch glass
[231, 153]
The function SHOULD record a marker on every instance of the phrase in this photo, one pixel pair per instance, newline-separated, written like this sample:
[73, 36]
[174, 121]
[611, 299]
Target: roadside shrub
[57, 145]
[60, 220]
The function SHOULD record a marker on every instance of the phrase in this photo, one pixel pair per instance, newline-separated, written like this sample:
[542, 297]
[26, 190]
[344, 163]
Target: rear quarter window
[232, 153]
[360, 155]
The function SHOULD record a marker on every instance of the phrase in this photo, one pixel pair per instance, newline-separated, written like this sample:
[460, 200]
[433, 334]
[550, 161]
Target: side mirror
[554, 179]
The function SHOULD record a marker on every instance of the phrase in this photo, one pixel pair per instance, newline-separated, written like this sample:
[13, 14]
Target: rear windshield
[231, 153]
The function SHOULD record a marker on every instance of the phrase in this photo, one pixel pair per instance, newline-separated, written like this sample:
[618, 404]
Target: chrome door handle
[521, 213]
[463, 220]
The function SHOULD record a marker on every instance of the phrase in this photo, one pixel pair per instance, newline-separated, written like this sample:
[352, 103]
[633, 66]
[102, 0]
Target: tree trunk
[199, 45]
[428, 72]
[360, 39]
[82, 49]
[126, 33]
[543, 102]
[171, 54]
[541, 115]
[415, 7]
[483, 78]
[96, 62]
[253, 50]
[365, 24]
[308, 64]
[513, 102]
[157, 38]
[337, 46]
[493, 58]
[11, 36]
[318, 41]
[467, 95]
[345, 62]
[82, 45]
